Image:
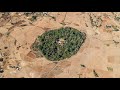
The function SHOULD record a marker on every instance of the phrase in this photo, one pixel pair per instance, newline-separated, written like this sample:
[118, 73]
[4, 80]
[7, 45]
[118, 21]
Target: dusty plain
[99, 56]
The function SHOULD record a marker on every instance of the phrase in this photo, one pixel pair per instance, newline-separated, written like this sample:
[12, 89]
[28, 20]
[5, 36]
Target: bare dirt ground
[99, 56]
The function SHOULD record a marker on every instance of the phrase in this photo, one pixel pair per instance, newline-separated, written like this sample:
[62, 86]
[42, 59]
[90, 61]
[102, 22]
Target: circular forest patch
[59, 44]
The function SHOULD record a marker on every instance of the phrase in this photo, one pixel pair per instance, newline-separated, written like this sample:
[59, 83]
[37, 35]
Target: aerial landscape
[59, 44]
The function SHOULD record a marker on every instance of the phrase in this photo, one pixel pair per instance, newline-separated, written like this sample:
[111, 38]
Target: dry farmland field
[59, 44]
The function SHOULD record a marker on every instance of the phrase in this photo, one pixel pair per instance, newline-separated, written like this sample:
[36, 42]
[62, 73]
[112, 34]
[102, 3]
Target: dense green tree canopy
[61, 43]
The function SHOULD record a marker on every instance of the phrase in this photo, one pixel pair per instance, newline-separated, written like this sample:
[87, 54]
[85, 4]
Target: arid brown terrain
[99, 56]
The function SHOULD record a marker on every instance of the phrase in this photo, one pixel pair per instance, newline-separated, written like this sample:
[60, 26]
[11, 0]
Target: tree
[50, 43]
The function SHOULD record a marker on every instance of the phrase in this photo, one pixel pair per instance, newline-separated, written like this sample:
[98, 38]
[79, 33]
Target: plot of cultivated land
[59, 44]
[98, 57]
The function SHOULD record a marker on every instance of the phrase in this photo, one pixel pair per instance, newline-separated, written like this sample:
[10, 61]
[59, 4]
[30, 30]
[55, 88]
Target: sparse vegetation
[117, 18]
[110, 68]
[83, 65]
[33, 18]
[95, 73]
[61, 43]
[1, 59]
[95, 21]
[115, 28]
[116, 42]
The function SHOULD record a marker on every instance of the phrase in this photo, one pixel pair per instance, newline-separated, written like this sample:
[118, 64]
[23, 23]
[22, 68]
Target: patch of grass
[115, 28]
[108, 45]
[110, 68]
[79, 75]
[51, 44]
